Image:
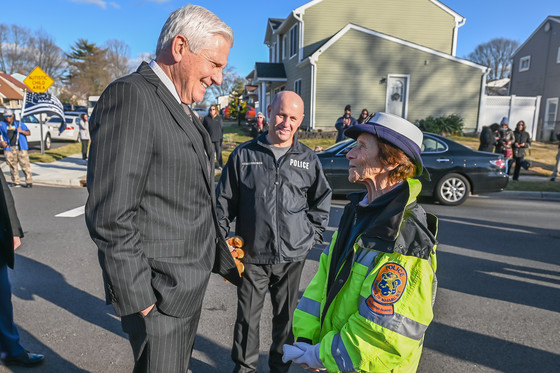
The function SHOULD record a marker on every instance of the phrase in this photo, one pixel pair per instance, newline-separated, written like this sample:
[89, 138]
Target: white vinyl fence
[516, 108]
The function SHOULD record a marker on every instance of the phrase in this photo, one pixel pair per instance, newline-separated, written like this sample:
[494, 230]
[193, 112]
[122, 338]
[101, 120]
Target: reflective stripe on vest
[310, 306]
[397, 323]
[340, 355]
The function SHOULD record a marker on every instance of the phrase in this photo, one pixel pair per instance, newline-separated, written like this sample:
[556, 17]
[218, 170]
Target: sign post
[39, 81]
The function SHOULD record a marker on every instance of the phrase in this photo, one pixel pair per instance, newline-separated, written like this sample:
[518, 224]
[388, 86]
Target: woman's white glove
[307, 355]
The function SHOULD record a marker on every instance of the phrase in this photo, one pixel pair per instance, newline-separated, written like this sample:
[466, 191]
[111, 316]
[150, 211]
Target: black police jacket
[282, 208]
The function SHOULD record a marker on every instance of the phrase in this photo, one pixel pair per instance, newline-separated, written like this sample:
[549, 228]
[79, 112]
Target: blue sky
[138, 22]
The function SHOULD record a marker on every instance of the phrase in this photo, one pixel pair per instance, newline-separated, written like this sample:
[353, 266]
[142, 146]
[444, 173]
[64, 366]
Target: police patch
[387, 288]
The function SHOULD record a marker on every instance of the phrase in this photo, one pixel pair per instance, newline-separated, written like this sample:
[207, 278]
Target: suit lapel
[187, 124]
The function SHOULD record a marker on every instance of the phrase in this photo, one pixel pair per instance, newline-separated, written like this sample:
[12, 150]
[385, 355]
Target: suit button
[217, 240]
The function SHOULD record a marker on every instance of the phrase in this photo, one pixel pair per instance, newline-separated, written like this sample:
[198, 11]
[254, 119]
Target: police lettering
[300, 164]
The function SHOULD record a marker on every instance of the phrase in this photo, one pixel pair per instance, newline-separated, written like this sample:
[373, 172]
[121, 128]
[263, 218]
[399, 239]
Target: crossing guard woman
[370, 303]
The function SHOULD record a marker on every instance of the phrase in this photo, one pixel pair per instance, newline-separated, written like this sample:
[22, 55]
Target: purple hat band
[406, 138]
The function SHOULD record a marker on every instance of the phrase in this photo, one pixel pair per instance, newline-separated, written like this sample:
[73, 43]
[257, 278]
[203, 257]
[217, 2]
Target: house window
[551, 112]
[294, 40]
[558, 56]
[524, 63]
[284, 46]
[297, 87]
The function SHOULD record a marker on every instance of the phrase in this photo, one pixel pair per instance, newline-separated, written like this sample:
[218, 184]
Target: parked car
[201, 112]
[72, 131]
[454, 171]
[32, 122]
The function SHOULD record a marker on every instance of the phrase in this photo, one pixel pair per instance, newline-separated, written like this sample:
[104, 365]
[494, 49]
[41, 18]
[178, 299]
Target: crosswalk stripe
[72, 213]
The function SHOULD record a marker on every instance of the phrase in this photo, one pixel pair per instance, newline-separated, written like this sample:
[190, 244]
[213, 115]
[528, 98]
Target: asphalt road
[497, 308]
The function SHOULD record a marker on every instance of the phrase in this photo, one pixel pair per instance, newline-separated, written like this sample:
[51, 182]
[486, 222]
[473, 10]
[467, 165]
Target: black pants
[518, 161]
[85, 144]
[218, 152]
[161, 343]
[283, 282]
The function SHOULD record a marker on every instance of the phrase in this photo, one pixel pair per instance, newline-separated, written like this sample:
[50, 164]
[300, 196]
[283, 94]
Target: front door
[397, 95]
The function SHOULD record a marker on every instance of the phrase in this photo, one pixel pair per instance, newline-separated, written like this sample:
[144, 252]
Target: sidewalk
[67, 172]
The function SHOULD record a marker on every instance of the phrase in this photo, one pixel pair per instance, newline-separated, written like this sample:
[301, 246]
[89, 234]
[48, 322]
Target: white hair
[197, 24]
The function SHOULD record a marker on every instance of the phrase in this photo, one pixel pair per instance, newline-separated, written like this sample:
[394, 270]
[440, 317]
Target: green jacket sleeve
[307, 316]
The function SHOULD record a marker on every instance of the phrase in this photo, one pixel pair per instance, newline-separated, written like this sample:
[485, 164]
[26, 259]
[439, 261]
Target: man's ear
[179, 46]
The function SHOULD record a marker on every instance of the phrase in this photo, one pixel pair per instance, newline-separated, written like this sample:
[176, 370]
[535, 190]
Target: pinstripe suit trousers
[159, 342]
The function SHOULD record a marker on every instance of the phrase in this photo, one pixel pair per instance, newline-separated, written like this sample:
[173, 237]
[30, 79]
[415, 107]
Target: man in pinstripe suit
[151, 206]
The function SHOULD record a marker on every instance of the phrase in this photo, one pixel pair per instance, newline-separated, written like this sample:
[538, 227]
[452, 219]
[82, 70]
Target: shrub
[450, 125]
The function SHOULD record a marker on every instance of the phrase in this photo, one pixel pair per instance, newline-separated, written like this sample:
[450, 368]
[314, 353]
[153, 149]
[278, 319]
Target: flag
[36, 103]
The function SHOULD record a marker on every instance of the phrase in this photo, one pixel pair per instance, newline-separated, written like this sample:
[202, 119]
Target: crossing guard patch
[387, 288]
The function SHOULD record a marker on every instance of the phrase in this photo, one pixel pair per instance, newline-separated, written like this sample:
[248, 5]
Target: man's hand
[147, 310]
[17, 242]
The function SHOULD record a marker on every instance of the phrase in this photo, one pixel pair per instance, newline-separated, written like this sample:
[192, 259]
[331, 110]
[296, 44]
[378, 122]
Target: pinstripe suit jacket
[151, 205]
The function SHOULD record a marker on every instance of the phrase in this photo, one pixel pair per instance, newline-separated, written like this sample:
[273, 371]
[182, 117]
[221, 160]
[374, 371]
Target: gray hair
[197, 24]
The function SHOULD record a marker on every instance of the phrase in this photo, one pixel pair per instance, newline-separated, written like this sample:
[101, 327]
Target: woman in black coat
[522, 142]
[213, 124]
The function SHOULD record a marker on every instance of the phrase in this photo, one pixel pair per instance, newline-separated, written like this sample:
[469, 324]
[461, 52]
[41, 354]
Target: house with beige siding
[382, 55]
[535, 71]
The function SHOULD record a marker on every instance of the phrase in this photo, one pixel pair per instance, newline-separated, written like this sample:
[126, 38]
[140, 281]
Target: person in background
[522, 142]
[14, 136]
[151, 205]
[504, 145]
[84, 134]
[557, 165]
[11, 350]
[259, 126]
[489, 137]
[276, 189]
[371, 300]
[213, 124]
[363, 115]
[344, 122]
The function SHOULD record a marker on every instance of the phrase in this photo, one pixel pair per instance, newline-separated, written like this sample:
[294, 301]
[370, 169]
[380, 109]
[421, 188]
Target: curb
[518, 194]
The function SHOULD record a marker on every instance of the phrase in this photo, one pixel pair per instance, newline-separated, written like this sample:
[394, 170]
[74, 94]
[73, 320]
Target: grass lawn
[56, 154]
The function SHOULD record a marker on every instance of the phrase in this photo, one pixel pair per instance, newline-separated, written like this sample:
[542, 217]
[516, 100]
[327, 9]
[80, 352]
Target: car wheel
[452, 189]
[48, 141]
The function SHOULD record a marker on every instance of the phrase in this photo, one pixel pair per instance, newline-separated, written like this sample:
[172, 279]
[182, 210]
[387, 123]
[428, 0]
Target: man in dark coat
[11, 350]
[489, 137]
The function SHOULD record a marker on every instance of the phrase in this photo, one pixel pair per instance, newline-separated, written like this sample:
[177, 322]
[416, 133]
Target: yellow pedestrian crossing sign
[38, 80]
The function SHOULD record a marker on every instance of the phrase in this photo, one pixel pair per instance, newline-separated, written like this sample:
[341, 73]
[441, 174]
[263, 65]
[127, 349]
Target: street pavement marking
[72, 213]
[487, 225]
[522, 279]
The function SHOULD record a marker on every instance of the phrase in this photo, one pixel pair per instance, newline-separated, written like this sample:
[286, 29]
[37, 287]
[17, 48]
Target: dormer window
[524, 63]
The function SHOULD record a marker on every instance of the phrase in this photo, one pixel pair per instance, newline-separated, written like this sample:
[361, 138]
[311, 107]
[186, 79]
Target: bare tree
[14, 45]
[47, 55]
[118, 58]
[496, 54]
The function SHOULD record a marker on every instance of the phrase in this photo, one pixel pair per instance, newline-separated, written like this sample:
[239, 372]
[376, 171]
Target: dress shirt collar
[164, 79]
